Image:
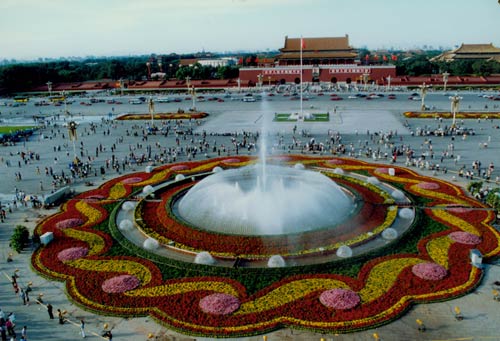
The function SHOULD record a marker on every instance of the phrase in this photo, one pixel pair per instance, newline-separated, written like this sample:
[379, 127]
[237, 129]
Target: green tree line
[25, 76]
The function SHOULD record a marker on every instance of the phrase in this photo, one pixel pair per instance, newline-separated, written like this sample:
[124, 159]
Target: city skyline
[32, 29]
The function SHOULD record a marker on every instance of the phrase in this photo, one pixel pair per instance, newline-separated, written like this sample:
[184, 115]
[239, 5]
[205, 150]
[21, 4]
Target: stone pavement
[479, 309]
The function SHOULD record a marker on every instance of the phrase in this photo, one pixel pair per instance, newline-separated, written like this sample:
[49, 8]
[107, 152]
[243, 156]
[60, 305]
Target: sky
[31, 29]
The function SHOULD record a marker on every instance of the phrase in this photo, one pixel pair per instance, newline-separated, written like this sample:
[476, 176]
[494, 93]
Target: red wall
[341, 73]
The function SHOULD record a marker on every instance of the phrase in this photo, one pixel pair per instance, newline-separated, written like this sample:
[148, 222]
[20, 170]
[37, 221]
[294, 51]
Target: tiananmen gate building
[325, 60]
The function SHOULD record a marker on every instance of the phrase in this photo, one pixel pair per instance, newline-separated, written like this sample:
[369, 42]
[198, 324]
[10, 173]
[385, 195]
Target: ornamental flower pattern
[383, 289]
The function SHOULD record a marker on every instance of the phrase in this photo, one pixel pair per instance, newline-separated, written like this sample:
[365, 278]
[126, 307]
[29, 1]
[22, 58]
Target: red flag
[394, 57]
[367, 57]
[385, 58]
[375, 57]
[302, 43]
[257, 60]
[240, 61]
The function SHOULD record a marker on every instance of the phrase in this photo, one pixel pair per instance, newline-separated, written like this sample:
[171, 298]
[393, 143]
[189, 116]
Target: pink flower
[428, 185]
[429, 271]
[67, 223]
[335, 162]
[219, 304]
[179, 167]
[339, 299]
[95, 197]
[457, 209]
[465, 238]
[72, 253]
[382, 170]
[231, 160]
[131, 180]
[120, 284]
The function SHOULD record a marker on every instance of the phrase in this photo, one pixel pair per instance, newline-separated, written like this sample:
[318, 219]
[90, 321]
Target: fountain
[265, 199]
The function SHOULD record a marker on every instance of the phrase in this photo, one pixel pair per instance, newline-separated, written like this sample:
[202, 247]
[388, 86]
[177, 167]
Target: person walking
[24, 332]
[82, 328]
[49, 310]
[3, 333]
[22, 294]
[60, 316]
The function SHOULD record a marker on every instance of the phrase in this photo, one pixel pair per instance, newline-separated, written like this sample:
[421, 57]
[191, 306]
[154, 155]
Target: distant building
[188, 62]
[317, 51]
[324, 60]
[470, 52]
[214, 62]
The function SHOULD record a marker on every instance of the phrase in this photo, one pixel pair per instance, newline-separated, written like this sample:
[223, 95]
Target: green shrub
[20, 237]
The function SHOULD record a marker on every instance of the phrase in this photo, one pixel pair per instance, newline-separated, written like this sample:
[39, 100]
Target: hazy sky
[59, 28]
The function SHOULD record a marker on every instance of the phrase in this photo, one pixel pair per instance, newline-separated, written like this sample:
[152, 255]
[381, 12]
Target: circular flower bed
[120, 284]
[122, 279]
[339, 299]
[72, 253]
[429, 271]
[465, 238]
[219, 304]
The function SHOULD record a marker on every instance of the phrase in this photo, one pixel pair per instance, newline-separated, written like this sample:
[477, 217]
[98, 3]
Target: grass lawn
[11, 129]
[316, 117]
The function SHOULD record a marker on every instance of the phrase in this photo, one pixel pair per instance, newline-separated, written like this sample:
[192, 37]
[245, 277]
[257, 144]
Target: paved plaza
[370, 130]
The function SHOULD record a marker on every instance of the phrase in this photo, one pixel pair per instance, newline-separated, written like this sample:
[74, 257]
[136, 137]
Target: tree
[493, 199]
[20, 237]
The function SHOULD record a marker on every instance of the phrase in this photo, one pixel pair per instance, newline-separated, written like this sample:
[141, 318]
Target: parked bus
[21, 99]
[56, 99]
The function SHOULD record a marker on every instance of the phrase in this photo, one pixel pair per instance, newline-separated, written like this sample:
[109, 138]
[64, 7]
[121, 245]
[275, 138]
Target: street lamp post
[389, 82]
[193, 93]
[188, 83]
[122, 85]
[455, 101]
[445, 79]
[64, 94]
[49, 87]
[269, 80]
[151, 108]
[259, 80]
[423, 92]
[190, 90]
[365, 79]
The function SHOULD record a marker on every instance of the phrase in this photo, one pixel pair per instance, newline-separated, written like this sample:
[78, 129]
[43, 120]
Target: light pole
[269, 80]
[151, 108]
[389, 82]
[193, 93]
[188, 83]
[64, 94]
[122, 85]
[49, 87]
[445, 80]
[259, 80]
[365, 79]
[239, 84]
[423, 92]
[455, 101]
[148, 66]
[72, 135]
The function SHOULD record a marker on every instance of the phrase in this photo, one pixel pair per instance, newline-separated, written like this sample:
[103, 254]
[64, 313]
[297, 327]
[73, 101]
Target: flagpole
[301, 85]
